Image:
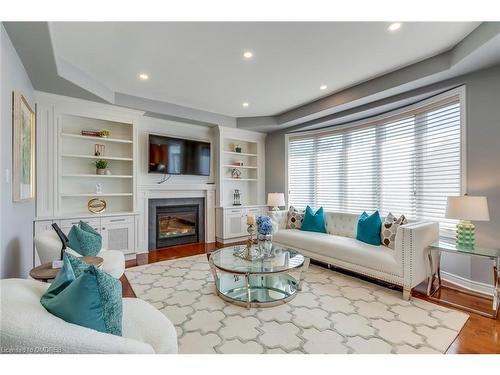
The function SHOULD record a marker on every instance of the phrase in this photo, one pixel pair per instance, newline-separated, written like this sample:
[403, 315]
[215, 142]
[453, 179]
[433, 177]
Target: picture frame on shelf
[23, 149]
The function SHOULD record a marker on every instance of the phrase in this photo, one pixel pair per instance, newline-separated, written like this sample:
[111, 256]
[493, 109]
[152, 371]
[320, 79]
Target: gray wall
[483, 162]
[16, 254]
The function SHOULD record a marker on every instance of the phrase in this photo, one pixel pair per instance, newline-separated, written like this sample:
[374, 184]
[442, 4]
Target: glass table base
[256, 291]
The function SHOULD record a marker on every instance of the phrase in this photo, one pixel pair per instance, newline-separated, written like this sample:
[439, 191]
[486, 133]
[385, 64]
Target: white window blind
[406, 165]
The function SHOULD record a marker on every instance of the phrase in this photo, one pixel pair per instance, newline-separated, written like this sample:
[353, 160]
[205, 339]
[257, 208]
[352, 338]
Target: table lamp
[466, 208]
[275, 200]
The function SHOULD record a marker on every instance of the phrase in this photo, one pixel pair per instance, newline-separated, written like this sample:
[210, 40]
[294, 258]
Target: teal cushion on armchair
[92, 300]
[314, 222]
[84, 240]
[369, 228]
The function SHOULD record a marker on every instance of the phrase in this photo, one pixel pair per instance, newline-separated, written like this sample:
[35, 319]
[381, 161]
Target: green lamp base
[465, 234]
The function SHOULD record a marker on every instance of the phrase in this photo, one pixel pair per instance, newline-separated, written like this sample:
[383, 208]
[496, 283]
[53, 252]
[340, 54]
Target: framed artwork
[23, 149]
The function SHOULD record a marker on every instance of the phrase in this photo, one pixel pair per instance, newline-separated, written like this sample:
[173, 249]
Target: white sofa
[405, 266]
[26, 327]
[48, 246]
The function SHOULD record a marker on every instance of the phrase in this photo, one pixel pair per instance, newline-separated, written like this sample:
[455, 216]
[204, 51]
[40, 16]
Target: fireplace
[175, 221]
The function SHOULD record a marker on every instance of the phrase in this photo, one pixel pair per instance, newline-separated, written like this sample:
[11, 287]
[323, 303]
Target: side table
[45, 272]
[435, 274]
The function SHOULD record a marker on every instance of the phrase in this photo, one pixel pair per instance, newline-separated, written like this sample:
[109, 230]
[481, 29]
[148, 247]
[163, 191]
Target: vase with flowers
[265, 232]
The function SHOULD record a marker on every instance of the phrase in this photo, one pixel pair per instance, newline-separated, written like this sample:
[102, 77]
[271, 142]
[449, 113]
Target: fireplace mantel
[158, 205]
[166, 190]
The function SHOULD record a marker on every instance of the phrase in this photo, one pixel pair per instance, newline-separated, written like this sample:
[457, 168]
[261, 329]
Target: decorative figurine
[237, 148]
[236, 198]
[98, 189]
[99, 149]
[236, 173]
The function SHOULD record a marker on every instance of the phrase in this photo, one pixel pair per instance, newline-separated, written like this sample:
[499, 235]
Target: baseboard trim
[465, 283]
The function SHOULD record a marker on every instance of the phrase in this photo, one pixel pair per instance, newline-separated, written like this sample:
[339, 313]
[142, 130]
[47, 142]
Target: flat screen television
[169, 155]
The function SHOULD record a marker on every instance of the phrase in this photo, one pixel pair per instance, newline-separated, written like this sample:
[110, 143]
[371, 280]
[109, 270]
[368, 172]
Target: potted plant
[101, 166]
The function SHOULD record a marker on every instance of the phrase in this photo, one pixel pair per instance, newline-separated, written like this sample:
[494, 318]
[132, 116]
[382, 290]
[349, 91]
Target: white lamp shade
[275, 199]
[467, 208]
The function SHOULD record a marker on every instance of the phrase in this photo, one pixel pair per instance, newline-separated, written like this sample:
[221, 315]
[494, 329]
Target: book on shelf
[91, 133]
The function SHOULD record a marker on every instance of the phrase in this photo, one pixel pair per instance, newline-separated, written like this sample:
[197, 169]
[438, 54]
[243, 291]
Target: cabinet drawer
[254, 211]
[117, 220]
[70, 222]
[234, 211]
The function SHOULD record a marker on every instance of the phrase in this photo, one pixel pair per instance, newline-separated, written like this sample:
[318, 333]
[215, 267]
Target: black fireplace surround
[175, 221]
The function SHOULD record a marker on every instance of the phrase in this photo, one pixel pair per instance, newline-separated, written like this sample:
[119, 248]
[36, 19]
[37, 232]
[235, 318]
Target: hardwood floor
[479, 335]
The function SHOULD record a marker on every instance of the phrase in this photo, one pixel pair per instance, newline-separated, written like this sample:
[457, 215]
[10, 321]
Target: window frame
[393, 115]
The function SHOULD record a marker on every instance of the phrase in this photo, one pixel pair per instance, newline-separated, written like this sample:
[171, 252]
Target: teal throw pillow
[84, 239]
[64, 277]
[77, 264]
[369, 228]
[92, 300]
[314, 222]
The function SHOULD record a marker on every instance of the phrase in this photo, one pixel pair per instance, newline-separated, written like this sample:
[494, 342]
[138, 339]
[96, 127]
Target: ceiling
[200, 65]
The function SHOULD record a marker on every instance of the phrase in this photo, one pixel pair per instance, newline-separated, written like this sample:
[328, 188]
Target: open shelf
[97, 176]
[100, 139]
[240, 166]
[239, 153]
[95, 157]
[240, 179]
[97, 195]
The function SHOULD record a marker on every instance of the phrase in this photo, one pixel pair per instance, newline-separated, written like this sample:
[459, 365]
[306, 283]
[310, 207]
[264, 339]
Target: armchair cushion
[26, 327]
[92, 300]
[84, 239]
[113, 261]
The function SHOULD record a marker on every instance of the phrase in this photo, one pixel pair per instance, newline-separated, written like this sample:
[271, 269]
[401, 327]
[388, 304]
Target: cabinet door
[118, 236]
[234, 223]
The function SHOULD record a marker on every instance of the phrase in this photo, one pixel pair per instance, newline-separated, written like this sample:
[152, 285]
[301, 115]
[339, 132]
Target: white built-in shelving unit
[66, 178]
[77, 173]
[247, 182]
[230, 219]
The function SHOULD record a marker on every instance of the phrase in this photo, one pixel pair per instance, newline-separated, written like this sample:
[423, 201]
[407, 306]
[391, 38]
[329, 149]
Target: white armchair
[48, 247]
[26, 327]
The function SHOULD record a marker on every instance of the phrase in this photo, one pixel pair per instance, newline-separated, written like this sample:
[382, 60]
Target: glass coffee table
[259, 283]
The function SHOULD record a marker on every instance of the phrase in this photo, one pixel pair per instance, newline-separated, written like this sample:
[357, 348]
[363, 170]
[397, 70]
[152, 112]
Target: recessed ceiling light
[247, 54]
[394, 26]
[245, 104]
[323, 87]
[143, 76]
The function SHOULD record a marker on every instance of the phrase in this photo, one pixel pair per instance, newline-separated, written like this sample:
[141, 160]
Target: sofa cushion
[295, 218]
[390, 228]
[341, 224]
[346, 249]
[369, 228]
[314, 221]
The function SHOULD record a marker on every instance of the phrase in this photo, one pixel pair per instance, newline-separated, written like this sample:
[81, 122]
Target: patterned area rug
[334, 313]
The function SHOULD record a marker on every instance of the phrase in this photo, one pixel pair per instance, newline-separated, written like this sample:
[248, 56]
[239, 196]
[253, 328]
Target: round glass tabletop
[280, 259]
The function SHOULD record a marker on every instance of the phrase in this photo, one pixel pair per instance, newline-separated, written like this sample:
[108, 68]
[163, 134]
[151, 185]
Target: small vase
[100, 171]
[265, 243]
